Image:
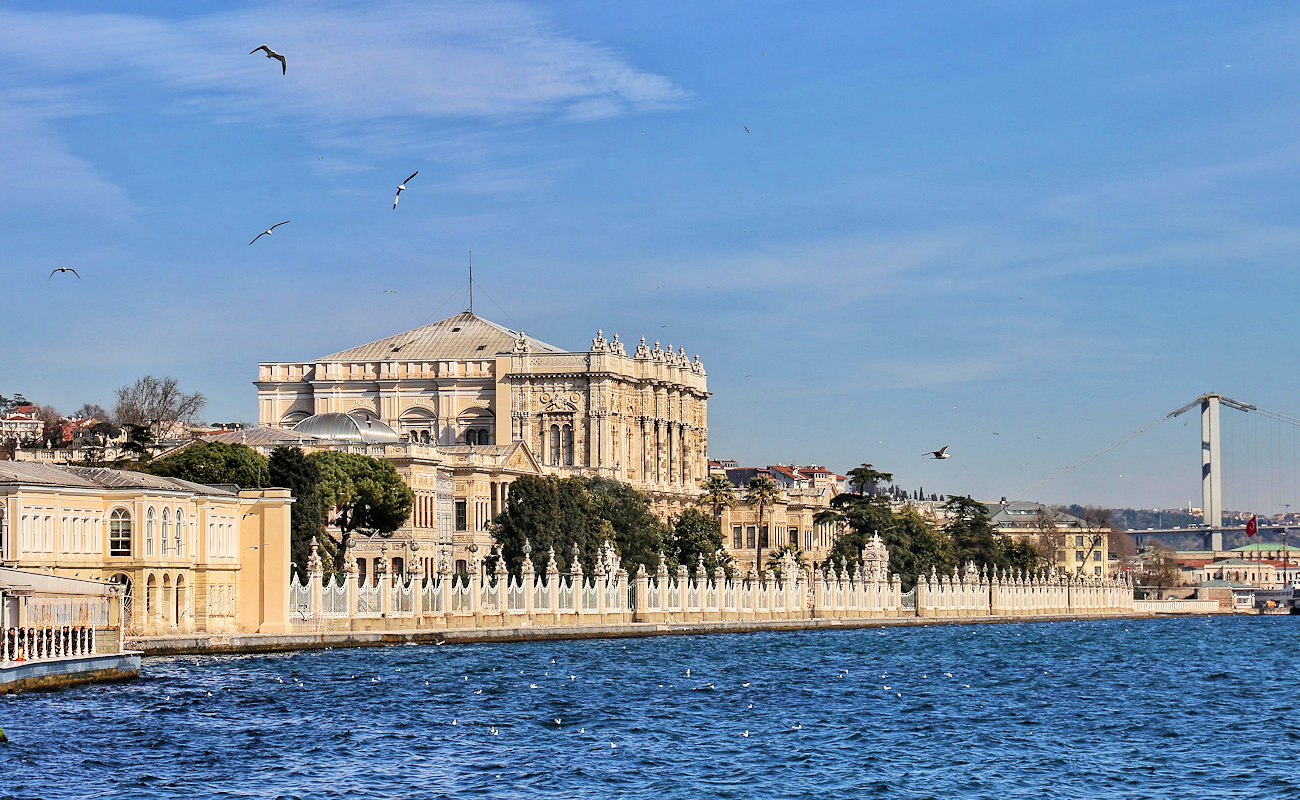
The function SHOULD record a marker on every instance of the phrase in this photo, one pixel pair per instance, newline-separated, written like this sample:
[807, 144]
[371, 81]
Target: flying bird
[267, 232]
[63, 269]
[942, 452]
[746, 128]
[284, 65]
[402, 188]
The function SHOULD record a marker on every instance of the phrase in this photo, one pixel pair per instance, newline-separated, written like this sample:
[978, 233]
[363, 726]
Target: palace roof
[462, 337]
[23, 473]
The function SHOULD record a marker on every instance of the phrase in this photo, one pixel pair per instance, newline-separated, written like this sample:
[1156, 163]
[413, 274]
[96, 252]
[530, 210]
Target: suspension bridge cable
[1085, 460]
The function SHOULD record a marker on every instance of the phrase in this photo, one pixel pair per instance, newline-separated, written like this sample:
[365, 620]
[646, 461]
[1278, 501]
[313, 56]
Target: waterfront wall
[861, 591]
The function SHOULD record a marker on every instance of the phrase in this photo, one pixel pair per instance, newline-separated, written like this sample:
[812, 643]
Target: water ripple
[1150, 708]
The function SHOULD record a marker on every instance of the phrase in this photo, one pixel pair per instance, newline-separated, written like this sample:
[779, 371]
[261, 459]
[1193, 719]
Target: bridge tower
[1211, 471]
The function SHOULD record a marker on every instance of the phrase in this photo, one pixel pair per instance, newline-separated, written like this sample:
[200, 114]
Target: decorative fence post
[444, 586]
[553, 585]
[641, 593]
[350, 584]
[315, 579]
[661, 579]
[417, 587]
[385, 587]
[529, 581]
[621, 604]
[577, 581]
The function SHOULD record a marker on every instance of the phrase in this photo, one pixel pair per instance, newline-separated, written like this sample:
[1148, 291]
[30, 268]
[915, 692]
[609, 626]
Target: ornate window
[166, 531]
[180, 532]
[119, 533]
[150, 534]
[568, 445]
[555, 444]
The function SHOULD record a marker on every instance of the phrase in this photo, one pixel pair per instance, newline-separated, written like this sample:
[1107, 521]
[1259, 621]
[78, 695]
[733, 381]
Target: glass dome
[348, 428]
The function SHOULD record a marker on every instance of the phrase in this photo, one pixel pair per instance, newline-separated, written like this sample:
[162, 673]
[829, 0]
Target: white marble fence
[864, 590]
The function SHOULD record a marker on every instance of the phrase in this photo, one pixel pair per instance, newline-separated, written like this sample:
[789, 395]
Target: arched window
[166, 531]
[150, 534]
[119, 532]
[399, 569]
[568, 445]
[555, 444]
[424, 437]
[180, 532]
[361, 572]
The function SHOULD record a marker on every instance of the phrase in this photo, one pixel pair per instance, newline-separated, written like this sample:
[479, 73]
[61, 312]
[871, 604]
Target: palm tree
[776, 559]
[717, 492]
[762, 491]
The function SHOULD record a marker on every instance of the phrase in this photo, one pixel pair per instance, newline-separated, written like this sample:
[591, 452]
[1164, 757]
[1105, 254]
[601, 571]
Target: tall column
[1211, 477]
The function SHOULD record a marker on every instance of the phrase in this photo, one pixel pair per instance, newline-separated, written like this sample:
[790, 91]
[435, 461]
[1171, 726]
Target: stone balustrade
[864, 590]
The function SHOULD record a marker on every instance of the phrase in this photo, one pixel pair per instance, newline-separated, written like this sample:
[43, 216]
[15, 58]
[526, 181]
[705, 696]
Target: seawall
[209, 644]
[55, 673]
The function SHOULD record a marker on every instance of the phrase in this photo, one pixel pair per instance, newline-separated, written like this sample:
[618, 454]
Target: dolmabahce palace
[638, 417]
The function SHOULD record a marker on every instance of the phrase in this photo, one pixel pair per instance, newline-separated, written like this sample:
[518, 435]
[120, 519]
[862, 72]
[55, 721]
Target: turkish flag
[1252, 527]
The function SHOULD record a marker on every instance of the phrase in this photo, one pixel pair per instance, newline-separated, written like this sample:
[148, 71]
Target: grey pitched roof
[464, 336]
[1021, 514]
[25, 473]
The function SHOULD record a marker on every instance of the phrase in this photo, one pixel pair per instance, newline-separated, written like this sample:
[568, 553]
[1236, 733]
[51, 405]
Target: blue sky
[1019, 229]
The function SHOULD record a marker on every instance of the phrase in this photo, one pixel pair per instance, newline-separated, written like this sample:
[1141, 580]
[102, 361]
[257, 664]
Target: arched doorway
[182, 604]
[151, 602]
[166, 607]
[130, 625]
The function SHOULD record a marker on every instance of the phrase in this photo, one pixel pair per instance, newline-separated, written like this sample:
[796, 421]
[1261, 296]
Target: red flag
[1252, 527]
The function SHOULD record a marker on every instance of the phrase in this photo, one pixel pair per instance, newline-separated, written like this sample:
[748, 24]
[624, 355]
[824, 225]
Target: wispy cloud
[348, 64]
[39, 173]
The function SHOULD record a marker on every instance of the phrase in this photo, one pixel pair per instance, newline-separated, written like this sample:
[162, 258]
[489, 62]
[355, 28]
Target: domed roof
[348, 428]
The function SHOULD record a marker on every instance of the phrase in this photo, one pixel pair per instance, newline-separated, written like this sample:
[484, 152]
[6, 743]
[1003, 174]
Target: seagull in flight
[284, 65]
[267, 232]
[63, 269]
[942, 452]
[402, 188]
[746, 128]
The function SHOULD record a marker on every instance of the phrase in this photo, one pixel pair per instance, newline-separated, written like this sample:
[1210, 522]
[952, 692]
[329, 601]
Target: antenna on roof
[471, 281]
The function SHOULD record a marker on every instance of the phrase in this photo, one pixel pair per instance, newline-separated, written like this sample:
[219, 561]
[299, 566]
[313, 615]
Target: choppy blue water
[1154, 708]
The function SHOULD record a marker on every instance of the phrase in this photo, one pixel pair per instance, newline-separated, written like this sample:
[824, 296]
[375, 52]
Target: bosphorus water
[1196, 707]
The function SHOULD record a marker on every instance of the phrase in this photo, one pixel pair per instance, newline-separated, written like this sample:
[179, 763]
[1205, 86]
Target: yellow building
[1074, 546]
[192, 558]
[805, 492]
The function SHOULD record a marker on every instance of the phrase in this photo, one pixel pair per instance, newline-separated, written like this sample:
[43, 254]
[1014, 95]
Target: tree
[637, 533]
[92, 411]
[1049, 542]
[366, 494]
[717, 493]
[974, 539]
[216, 463]
[865, 477]
[547, 512]
[1159, 568]
[1096, 526]
[290, 469]
[776, 559]
[761, 492]
[156, 402]
[139, 441]
[51, 425]
[695, 535]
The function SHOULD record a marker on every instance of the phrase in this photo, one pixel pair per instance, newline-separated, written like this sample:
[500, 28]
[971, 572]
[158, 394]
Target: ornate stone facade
[641, 418]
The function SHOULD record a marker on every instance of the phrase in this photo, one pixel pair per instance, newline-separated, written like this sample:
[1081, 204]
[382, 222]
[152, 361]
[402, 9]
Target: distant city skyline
[1017, 230]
